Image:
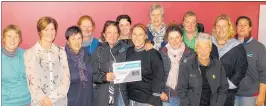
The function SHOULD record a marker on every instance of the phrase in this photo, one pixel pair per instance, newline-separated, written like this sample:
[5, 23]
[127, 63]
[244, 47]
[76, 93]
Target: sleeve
[98, 77]
[222, 90]
[62, 90]
[240, 66]
[157, 78]
[261, 65]
[183, 86]
[32, 77]
[167, 67]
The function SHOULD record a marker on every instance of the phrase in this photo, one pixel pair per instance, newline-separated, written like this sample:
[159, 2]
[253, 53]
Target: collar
[246, 39]
[10, 54]
[139, 50]
[185, 33]
[105, 45]
[39, 48]
[196, 63]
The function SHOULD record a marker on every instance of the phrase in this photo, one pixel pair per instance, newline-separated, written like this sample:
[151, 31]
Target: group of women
[180, 64]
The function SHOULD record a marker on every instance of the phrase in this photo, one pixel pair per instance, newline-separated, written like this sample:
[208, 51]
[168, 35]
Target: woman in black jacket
[173, 54]
[202, 80]
[231, 53]
[106, 93]
[148, 90]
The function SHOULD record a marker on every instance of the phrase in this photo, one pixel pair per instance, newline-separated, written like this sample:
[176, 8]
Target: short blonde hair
[13, 28]
[203, 37]
[226, 18]
[189, 13]
[155, 7]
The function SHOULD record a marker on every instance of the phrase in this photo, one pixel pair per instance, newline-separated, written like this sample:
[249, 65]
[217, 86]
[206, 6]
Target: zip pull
[112, 55]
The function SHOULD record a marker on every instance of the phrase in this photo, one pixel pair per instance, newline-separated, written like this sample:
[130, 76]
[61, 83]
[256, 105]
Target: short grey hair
[203, 37]
[155, 7]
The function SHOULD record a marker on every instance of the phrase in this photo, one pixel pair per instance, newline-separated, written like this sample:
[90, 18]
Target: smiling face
[124, 26]
[75, 42]
[138, 37]
[48, 34]
[174, 39]
[203, 49]
[222, 29]
[11, 40]
[111, 35]
[156, 18]
[86, 27]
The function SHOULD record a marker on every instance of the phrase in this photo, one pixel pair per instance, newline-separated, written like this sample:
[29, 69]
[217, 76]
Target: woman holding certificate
[146, 92]
[106, 93]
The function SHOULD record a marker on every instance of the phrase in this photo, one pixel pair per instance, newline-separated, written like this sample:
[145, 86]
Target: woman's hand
[148, 46]
[260, 100]
[164, 96]
[110, 76]
[46, 101]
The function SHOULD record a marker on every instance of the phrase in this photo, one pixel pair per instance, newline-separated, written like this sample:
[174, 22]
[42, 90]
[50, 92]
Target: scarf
[79, 63]
[175, 55]
[157, 36]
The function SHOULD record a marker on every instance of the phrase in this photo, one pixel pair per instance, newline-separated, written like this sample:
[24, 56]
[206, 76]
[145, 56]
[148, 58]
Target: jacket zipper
[118, 84]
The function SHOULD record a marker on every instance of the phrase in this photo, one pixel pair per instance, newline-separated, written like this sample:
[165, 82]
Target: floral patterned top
[47, 74]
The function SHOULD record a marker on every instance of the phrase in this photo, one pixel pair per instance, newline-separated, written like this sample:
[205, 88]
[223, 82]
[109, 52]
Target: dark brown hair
[171, 28]
[244, 17]
[108, 23]
[123, 17]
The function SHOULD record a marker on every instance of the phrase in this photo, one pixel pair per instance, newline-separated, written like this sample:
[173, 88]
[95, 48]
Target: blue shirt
[92, 47]
[15, 90]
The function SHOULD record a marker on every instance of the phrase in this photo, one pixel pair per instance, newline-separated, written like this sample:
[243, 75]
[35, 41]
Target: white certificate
[127, 71]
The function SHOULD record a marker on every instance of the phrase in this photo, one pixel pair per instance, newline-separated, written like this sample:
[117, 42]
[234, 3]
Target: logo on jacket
[122, 49]
[213, 77]
[192, 75]
[249, 54]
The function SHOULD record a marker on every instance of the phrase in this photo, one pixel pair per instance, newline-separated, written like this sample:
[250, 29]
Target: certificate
[127, 71]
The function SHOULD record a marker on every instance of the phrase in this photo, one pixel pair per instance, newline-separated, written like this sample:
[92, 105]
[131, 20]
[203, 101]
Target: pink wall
[26, 14]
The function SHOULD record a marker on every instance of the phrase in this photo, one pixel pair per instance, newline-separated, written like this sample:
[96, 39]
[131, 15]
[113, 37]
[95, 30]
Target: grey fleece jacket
[256, 71]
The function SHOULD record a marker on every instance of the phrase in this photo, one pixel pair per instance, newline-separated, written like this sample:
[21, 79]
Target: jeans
[245, 101]
[120, 100]
[173, 101]
[134, 103]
